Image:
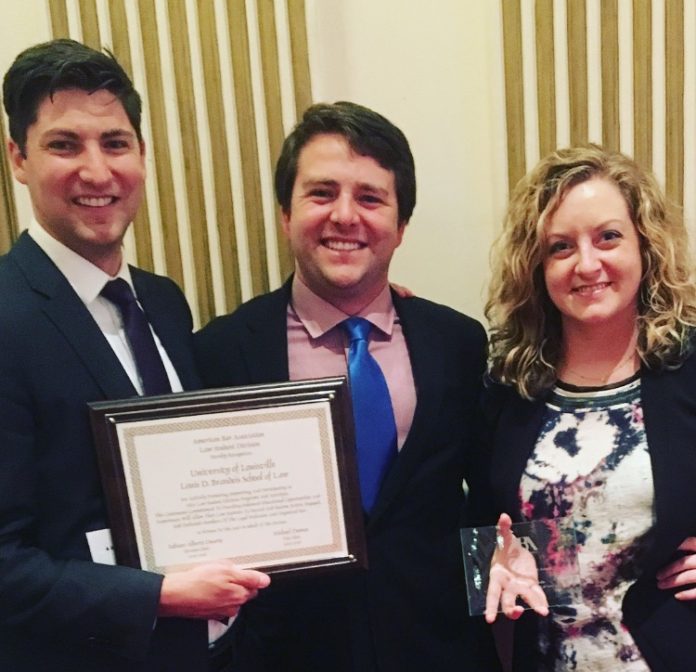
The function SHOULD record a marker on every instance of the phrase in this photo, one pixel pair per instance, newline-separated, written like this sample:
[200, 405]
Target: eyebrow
[106, 135]
[596, 227]
[313, 181]
[366, 186]
[362, 186]
[118, 133]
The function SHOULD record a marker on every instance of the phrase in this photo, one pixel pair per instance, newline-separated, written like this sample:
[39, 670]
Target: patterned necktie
[147, 358]
[375, 429]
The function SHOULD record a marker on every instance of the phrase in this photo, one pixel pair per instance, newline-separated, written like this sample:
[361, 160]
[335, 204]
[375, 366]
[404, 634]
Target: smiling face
[84, 168]
[343, 223]
[592, 265]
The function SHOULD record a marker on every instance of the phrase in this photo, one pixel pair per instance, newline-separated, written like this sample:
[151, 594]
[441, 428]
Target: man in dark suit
[345, 182]
[76, 144]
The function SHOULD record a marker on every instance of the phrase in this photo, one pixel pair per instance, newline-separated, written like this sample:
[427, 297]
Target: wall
[435, 70]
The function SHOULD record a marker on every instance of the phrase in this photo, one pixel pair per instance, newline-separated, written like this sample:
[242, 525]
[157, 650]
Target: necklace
[602, 380]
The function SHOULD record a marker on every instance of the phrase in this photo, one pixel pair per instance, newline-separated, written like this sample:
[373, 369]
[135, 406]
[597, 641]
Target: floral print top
[591, 464]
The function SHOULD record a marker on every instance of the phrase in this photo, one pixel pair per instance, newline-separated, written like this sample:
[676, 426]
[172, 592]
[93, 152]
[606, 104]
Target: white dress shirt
[88, 281]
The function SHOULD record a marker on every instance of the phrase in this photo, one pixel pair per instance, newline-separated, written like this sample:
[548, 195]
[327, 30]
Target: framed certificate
[264, 475]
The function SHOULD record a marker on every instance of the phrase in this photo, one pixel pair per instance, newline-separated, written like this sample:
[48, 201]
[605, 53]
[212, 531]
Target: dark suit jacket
[661, 626]
[408, 611]
[58, 610]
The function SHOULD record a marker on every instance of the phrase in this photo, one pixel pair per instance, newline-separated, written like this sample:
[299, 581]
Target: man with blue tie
[80, 325]
[345, 182]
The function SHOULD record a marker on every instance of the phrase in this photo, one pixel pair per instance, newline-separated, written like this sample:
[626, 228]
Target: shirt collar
[85, 278]
[319, 316]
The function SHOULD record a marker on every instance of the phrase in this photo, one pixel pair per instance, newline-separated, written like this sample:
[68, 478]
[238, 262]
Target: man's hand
[681, 573]
[403, 292]
[210, 590]
[513, 574]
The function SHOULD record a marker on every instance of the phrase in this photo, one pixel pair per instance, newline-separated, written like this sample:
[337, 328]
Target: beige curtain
[610, 72]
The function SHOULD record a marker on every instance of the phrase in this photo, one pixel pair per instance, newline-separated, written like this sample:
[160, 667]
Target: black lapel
[264, 342]
[427, 357]
[514, 436]
[668, 400]
[64, 308]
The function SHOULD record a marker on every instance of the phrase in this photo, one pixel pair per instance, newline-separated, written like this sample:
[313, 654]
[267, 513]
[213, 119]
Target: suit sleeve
[481, 507]
[218, 354]
[49, 588]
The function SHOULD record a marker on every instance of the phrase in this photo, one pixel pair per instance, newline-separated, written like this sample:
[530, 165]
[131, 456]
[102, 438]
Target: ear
[400, 231]
[285, 222]
[142, 157]
[17, 160]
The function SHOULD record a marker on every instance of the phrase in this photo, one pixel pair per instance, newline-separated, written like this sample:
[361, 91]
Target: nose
[588, 260]
[344, 211]
[95, 168]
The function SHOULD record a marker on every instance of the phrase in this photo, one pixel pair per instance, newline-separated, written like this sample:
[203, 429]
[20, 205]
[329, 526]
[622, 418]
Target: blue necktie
[147, 358]
[375, 429]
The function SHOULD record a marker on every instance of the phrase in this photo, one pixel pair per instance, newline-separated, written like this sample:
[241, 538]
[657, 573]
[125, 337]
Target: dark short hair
[367, 133]
[39, 71]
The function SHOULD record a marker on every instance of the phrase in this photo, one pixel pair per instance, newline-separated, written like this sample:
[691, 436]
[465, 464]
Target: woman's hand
[513, 574]
[681, 572]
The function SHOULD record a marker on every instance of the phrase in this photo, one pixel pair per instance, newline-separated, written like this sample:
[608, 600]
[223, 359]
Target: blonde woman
[592, 410]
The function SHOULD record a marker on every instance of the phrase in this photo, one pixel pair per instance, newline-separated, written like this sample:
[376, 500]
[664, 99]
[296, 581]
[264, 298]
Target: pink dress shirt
[318, 346]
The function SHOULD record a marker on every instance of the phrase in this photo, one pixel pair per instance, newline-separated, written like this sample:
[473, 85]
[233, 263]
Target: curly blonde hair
[525, 326]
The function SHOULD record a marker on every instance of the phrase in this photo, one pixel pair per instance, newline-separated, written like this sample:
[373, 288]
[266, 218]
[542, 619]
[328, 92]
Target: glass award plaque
[548, 544]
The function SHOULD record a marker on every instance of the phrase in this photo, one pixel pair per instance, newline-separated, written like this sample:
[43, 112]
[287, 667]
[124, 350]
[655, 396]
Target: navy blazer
[60, 611]
[662, 626]
[408, 611]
